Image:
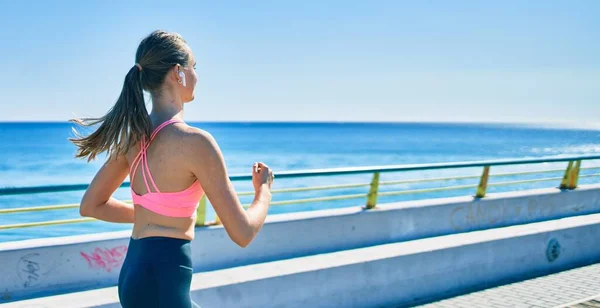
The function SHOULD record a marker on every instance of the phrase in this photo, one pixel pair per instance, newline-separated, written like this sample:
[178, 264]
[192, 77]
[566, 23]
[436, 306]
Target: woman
[171, 165]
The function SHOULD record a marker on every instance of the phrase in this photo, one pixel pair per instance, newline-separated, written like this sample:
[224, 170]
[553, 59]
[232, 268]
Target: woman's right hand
[261, 176]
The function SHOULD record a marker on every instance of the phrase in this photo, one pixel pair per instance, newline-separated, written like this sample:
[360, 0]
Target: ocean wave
[581, 149]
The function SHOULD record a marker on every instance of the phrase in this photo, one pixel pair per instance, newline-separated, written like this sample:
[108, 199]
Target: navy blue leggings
[157, 272]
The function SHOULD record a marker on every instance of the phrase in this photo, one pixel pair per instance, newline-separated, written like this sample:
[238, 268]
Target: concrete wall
[36, 267]
[389, 275]
[406, 273]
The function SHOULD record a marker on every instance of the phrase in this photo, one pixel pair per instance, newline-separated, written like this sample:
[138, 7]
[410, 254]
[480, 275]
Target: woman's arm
[97, 201]
[207, 164]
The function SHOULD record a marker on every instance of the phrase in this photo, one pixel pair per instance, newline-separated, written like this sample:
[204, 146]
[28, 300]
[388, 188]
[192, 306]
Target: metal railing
[568, 181]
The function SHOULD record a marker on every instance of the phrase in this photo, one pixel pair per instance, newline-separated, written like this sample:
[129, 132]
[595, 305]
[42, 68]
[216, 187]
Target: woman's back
[164, 166]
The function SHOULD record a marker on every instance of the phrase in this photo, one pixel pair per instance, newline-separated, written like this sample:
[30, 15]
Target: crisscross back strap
[142, 157]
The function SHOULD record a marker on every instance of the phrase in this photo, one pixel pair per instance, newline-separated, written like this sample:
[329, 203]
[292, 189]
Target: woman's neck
[165, 107]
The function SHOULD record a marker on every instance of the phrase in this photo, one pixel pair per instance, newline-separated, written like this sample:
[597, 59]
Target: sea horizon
[515, 124]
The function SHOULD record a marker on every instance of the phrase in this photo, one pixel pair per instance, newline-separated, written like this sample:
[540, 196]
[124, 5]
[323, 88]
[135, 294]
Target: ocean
[34, 154]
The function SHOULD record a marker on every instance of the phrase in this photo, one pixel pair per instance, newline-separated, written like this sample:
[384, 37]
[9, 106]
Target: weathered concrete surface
[36, 267]
[388, 275]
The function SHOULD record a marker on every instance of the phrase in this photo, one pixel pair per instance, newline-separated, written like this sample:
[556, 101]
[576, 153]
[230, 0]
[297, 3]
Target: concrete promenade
[578, 287]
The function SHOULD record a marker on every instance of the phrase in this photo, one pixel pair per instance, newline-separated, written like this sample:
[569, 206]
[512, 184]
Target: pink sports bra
[173, 204]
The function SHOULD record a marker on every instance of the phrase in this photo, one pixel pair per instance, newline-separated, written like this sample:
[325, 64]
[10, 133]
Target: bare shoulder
[204, 158]
[197, 137]
[199, 143]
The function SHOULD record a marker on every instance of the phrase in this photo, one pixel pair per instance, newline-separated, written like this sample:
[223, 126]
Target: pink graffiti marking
[106, 259]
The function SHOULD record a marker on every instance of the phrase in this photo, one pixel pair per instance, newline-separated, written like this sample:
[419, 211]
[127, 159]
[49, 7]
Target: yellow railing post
[372, 197]
[564, 184]
[574, 177]
[483, 182]
[201, 212]
[568, 181]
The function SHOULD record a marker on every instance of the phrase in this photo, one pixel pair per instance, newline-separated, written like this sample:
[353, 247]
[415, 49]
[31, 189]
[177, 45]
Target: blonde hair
[128, 121]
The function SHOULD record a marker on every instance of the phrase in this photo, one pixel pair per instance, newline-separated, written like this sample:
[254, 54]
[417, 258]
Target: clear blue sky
[511, 60]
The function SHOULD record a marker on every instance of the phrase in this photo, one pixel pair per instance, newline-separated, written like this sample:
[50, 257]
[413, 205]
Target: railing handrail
[419, 167]
[568, 181]
[329, 172]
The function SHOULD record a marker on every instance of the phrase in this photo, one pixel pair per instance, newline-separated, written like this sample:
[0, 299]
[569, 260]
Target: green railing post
[483, 182]
[201, 212]
[372, 197]
[564, 184]
[574, 178]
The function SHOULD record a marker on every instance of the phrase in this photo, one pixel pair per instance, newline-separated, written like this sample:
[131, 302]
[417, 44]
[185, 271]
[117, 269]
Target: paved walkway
[574, 288]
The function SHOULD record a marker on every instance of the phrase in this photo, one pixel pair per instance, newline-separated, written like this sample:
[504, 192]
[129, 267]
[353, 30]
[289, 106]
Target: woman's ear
[175, 72]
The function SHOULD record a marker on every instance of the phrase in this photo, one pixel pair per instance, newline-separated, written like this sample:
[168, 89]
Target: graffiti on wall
[106, 259]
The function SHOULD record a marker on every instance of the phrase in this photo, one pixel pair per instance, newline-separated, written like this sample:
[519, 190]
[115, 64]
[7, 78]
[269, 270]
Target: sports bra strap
[142, 157]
